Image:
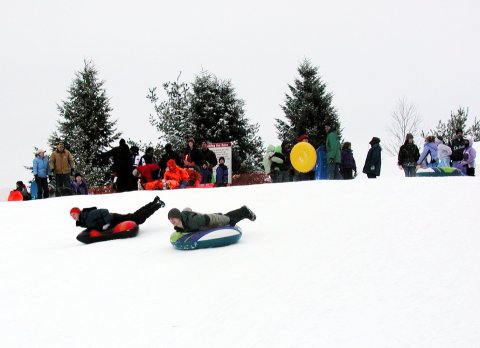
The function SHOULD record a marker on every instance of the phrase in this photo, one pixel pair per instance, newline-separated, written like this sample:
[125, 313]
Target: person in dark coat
[457, 145]
[194, 153]
[20, 187]
[373, 163]
[205, 173]
[408, 156]
[208, 155]
[188, 221]
[102, 219]
[122, 166]
[347, 165]
[281, 166]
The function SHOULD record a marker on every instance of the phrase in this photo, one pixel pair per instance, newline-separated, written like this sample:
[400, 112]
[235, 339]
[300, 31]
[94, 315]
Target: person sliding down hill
[102, 219]
[188, 221]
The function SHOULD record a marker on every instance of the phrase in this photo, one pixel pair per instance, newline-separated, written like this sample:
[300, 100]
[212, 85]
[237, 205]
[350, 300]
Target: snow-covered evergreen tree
[307, 108]
[85, 126]
[219, 116]
[209, 110]
[173, 117]
[457, 120]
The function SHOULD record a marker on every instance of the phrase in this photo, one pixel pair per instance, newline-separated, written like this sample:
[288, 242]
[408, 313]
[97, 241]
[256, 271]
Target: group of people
[458, 153]
[60, 165]
[130, 170]
[185, 221]
[193, 167]
[339, 157]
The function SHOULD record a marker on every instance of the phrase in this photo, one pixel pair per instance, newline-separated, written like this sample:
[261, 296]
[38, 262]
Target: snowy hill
[362, 263]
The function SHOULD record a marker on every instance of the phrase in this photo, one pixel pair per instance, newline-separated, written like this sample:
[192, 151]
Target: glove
[355, 174]
[72, 171]
[36, 177]
[50, 178]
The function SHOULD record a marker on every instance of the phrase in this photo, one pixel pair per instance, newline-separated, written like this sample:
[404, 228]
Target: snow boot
[142, 214]
[238, 215]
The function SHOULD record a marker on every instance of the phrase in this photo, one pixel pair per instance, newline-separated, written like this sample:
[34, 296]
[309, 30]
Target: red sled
[126, 229]
[15, 196]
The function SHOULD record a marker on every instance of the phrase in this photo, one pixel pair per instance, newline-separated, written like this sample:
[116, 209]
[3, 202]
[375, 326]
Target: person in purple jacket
[79, 185]
[469, 155]
[429, 156]
[222, 173]
[347, 165]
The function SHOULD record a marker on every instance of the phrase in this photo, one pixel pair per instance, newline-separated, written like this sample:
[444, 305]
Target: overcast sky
[370, 53]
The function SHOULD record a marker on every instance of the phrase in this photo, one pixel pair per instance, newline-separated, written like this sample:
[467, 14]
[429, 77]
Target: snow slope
[363, 263]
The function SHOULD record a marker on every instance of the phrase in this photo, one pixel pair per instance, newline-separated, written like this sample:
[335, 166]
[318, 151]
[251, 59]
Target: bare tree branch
[404, 119]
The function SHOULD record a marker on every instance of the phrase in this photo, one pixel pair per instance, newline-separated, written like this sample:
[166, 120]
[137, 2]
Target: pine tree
[307, 108]
[219, 116]
[85, 127]
[173, 117]
[457, 120]
[208, 110]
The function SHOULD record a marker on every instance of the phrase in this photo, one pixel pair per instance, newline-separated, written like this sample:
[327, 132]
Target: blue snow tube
[212, 238]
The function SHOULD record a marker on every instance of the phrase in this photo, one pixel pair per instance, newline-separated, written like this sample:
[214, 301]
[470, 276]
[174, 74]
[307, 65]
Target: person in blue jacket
[41, 171]
[222, 173]
[79, 185]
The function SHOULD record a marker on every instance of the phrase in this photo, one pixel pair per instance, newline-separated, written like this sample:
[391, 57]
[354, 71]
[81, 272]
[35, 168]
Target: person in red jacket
[175, 177]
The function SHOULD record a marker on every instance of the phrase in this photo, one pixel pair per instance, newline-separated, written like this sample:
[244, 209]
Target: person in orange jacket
[175, 177]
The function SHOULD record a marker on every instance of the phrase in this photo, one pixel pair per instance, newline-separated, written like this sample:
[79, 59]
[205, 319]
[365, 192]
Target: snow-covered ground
[393, 262]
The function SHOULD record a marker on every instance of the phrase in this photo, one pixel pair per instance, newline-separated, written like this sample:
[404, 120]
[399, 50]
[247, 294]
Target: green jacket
[333, 147]
[193, 221]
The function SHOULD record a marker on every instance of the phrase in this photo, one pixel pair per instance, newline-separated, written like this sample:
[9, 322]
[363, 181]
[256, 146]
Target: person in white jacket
[444, 152]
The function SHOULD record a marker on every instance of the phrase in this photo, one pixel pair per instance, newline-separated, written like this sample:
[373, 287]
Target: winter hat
[174, 213]
[458, 131]
[191, 140]
[20, 184]
[221, 158]
[134, 149]
[302, 138]
[409, 136]
[122, 142]
[40, 151]
[171, 163]
[374, 140]
[75, 210]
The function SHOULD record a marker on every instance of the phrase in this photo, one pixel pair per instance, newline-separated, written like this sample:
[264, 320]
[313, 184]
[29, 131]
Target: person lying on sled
[102, 219]
[187, 221]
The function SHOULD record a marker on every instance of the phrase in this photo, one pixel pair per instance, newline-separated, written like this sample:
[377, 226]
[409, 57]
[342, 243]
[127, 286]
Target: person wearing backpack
[408, 156]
